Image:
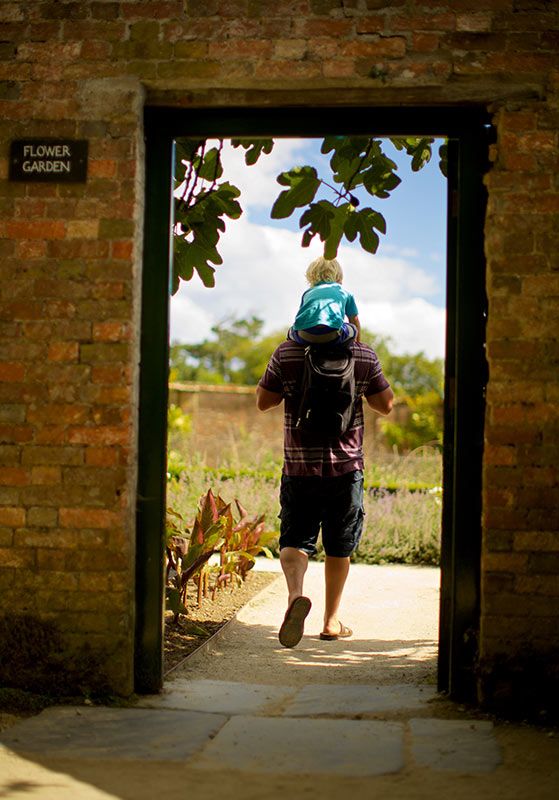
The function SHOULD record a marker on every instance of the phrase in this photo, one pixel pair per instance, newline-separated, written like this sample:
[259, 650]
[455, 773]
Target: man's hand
[381, 402]
[265, 400]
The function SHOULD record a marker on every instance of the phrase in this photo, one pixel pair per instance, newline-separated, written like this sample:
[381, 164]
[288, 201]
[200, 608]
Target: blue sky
[400, 291]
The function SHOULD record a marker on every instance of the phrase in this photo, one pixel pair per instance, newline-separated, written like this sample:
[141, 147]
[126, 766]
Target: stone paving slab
[222, 697]
[466, 746]
[305, 747]
[336, 700]
[113, 733]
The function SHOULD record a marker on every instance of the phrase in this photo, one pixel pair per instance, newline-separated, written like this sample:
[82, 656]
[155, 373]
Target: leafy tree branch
[203, 202]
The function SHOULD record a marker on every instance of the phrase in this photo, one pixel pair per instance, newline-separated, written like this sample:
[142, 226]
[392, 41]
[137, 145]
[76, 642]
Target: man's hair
[322, 269]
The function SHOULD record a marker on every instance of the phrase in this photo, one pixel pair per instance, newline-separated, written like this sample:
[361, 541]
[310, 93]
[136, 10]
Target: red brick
[88, 518]
[287, 69]
[12, 517]
[505, 562]
[15, 434]
[541, 541]
[19, 558]
[64, 351]
[12, 373]
[338, 68]
[240, 48]
[541, 285]
[102, 168]
[107, 374]
[39, 229]
[109, 331]
[499, 454]
[101, 457]
[546, 585]
[383, 47]
[426, 22]
[52, 434]
[98, 435]
[24, 310]
[13, 476]
[34, 248]
[153, 10]
[58, 413]
[425, 42]
[338, 28]
[46, 476]
[122, 250]
[479, 21]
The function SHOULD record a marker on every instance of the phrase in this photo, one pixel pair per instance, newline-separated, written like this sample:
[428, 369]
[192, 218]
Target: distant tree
[238, 353]
[410, 374]
[329, 205]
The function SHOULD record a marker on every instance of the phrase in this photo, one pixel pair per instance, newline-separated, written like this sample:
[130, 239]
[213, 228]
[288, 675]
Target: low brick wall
[225, 418]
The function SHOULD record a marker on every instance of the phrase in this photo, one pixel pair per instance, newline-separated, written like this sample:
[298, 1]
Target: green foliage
[410, 374]
[254, 148]
[401, 528]
[356, 162]
[200, 208]
[237, 354]
[177, 420]
[422, 427]
[402, 503]
[303, 184]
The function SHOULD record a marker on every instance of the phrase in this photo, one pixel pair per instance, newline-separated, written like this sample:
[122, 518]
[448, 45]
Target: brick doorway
[468, 131]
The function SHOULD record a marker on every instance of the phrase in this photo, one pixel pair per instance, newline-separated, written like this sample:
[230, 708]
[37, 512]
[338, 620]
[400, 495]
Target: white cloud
[263, 274]
[412, 324]
[190, 321]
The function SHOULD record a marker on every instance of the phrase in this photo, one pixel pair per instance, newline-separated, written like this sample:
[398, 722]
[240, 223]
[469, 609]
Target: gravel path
[393, 611]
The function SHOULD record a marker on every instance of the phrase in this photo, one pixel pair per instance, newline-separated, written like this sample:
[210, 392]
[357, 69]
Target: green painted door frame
[468, 130]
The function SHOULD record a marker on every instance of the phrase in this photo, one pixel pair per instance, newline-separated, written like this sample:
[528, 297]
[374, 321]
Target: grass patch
[402, 497]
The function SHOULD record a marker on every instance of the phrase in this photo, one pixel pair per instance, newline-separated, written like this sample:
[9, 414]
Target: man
[321, 485]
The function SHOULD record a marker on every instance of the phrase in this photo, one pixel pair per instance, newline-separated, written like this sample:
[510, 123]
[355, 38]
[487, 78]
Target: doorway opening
[467, 134]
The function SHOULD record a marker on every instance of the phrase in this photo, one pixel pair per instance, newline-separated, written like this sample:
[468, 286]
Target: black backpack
[327, 391]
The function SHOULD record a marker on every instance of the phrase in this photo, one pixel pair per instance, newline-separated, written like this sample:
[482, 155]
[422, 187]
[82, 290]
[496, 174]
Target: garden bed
[183, 638]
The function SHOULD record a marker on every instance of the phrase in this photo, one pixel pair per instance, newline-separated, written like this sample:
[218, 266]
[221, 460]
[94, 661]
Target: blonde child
[324, 308]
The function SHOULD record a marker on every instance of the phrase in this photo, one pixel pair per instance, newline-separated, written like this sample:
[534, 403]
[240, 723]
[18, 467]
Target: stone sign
[48, 160]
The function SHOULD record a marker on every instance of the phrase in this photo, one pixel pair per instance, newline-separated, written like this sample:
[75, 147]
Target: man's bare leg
[294, 564]
[335, 574]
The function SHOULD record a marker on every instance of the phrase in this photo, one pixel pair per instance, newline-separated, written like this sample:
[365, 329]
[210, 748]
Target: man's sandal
[293, 625]
[343, 634]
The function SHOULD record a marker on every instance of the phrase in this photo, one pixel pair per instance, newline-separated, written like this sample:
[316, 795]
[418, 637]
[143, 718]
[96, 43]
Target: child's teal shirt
[325, 304]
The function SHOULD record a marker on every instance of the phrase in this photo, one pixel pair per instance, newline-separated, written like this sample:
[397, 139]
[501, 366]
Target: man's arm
[265, 400]
[381, 402]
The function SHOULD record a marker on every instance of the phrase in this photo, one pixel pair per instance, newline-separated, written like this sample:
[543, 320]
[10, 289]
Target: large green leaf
[254, 148]
[209, 166]
[303, 184]
[363, 223]
[206, 274]
[318, 217]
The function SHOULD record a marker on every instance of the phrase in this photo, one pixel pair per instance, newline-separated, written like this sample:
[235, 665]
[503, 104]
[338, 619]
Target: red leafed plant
[214, 531]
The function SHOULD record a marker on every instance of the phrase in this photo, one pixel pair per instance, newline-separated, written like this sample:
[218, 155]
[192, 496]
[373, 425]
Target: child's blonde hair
[322, 269]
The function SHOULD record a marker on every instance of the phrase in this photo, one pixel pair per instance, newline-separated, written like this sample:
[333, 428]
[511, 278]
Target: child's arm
[355, 321]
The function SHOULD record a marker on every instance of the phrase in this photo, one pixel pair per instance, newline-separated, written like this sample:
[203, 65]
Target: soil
[186, 636]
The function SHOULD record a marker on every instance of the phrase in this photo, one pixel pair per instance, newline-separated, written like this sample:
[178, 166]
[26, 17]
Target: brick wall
[71, 256]
[225, 419]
